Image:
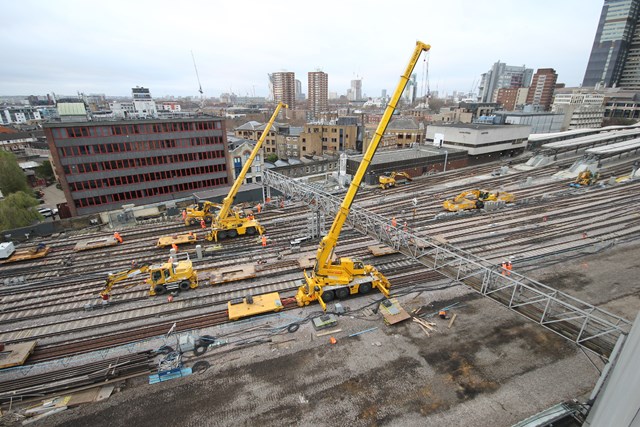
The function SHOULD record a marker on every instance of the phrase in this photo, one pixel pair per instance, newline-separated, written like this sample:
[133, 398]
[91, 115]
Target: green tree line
[17, 207]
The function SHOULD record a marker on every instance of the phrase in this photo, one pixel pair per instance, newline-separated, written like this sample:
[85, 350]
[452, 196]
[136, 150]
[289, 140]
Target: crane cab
[172, 276]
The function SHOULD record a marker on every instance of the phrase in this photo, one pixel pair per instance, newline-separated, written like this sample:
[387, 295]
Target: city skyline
[70, 46]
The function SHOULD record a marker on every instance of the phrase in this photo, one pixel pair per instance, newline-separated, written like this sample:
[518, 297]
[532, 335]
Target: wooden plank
[452, 319]
[381, 250]
[101, 242]
[84, 396]
[27, 254]
[394, 313]
[16, 354]
[322, 334]
[231, 273]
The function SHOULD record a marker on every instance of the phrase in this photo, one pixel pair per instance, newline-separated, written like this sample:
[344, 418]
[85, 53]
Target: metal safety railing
[584, 324]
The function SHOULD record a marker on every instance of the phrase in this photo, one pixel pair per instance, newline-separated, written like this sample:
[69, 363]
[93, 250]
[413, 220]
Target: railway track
[48, 298]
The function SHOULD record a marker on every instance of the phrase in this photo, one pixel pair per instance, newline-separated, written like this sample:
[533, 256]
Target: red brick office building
[103, 165]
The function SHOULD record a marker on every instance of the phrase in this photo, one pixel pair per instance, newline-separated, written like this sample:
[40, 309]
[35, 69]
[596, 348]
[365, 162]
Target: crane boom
[228, 201]
[329, 242]
[338, 280]
[224, 222]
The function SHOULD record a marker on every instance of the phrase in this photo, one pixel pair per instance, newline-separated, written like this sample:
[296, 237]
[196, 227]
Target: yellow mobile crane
[338, 280]
[228, 222]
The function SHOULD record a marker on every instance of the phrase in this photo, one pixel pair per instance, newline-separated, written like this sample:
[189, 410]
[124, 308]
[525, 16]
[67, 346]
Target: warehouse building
[416, 161]
[482, 142]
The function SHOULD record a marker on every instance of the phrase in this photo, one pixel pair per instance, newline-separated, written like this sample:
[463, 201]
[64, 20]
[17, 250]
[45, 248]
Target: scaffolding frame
[587, 326]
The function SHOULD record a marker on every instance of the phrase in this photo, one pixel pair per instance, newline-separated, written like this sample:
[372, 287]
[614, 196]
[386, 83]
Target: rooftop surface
[425, 151]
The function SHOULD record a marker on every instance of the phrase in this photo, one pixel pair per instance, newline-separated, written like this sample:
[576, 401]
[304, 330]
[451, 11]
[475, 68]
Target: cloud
[109, 47]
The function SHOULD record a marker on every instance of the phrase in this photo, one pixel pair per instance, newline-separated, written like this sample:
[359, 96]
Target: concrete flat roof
[477, 126]
[130, 122]
[617, 148]
[589, 139]
[223, 191]
[425, 151]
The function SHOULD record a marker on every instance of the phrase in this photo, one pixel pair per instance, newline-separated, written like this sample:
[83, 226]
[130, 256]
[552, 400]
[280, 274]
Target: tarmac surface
[52, 196]
[491, 368]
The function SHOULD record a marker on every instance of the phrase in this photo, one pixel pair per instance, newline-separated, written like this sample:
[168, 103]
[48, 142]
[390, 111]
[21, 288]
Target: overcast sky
[110, 46]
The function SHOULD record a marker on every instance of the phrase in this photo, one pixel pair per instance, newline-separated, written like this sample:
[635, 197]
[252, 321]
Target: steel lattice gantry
[588, 326]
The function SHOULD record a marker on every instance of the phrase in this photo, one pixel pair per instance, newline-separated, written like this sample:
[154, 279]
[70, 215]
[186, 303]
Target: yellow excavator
[167, 277]
[230, 222]
[345, 277]
[200, 211]
[391, 181]
[585, 178]
[475, 199]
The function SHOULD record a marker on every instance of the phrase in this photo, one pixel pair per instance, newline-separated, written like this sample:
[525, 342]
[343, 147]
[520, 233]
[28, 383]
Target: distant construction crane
[201, 107]
[425, 91]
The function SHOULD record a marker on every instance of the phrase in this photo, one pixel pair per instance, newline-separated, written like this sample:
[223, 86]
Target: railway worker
[175, 247]
[509, 267]
[504, 268]
[264, 240]
[117, 236]
[191, 235]
[268, 200]
[259, 207]
[203, 224]
[442, 314]
[282, 204]
[184, 214]
[394, 223]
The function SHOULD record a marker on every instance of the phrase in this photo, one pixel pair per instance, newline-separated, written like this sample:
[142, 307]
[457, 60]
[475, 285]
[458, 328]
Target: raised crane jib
[227, 203]
[328, 243]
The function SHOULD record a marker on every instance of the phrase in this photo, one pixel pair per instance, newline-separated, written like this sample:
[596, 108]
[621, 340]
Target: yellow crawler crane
[331, 280]
[390, 181]
[475, 199]
[229, 222]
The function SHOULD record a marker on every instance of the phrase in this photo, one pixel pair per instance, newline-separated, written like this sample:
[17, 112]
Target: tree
[272, 158]
[12, 179]
[16, 210]
[435, 104]
[45, 171]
